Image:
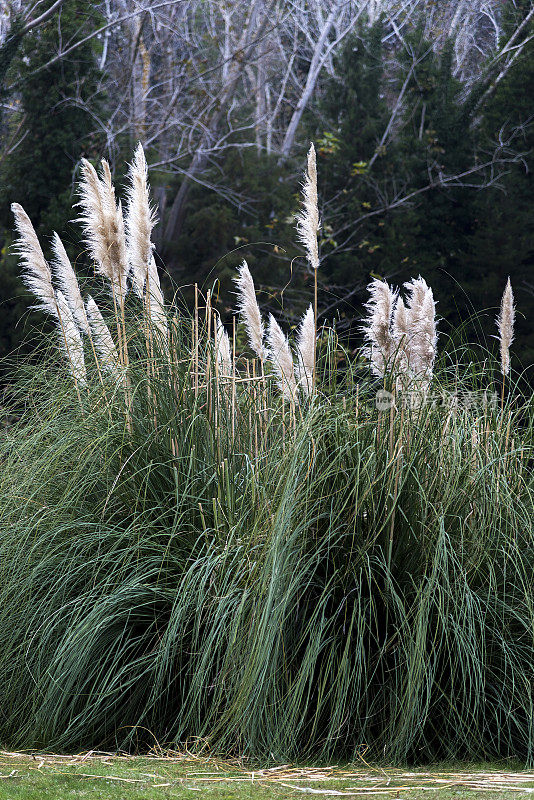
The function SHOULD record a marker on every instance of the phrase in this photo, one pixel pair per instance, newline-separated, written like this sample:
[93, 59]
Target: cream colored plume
[140, 220]
[282, 360]
[66, 277]
[71, 341]
[93, 215]
[247, 305]
[380, 344]
[416, 289]
[104, 226]
[36, 273]
[308, 219]
[102, 338]
[305, 347]
[401, 335]
[224, 350]
[422, 327]
[155, 301]
[505, 324]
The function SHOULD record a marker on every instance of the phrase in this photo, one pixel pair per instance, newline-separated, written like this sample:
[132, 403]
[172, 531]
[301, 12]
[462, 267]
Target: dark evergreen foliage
[45, 140]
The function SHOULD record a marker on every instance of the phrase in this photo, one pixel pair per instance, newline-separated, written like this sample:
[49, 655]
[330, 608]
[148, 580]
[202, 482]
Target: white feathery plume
[505, 324]
[247, 305]
[66, 277]
[104, 226]
[140, 219]
[306, 351]
[102, 339]
[422, 327]
[93, 216]
[416, 289]
[224, 351]
[380, 344]
[71, 341]
[115, 233]
[430, 329]
[282, 360]
[308, 219]
[36, 273]
[400, 321]
[401, 334]
[156, 300]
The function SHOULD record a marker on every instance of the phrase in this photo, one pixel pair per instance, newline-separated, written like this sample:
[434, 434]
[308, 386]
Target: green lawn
[146, 778]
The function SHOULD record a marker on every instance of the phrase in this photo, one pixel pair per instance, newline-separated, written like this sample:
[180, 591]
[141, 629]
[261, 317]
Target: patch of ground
[33, 776]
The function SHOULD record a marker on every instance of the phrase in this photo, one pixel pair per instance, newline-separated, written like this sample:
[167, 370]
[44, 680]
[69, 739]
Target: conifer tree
[51, 133]
[503, 240]
[54, 130]
[428, 134]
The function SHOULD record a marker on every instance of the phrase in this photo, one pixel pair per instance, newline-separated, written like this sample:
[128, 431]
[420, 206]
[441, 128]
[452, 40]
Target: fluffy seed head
[102, 338]
[155, 301]
[93, 216]
[247, 306]
[306, 351]
[505, 325]
[308, 219]
[401, 335]
[71, 341]
[380, 344]
[400, 321]
[36, 273]
[66, 277]
[139, 222]
[281, 360]
[422, 328]
[224, 350]
[103, 225]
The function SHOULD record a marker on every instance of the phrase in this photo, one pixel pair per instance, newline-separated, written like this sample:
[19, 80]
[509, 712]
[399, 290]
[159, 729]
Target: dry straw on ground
[171, 768]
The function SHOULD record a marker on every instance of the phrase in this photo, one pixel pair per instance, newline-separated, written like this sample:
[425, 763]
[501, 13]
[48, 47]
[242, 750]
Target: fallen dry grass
[166, 769]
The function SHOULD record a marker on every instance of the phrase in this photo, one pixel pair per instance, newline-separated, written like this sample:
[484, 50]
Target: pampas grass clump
[247, 554]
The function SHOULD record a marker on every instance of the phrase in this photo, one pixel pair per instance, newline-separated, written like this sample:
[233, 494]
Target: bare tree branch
[35, 23]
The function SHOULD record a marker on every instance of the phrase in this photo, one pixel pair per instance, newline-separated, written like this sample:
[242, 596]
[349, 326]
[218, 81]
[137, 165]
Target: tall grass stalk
[308, 228]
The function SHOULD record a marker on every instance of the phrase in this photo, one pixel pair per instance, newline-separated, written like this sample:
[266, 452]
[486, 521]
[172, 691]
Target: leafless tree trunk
[252, 33]
[321, 51]
[193, 78]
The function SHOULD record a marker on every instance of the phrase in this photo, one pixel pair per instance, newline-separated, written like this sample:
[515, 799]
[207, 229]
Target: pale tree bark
[42, 18]
[252, 33]
[107, 34]
[321, 51]
[193, 78]
[176, 86]
[513, 49]
[139, 84]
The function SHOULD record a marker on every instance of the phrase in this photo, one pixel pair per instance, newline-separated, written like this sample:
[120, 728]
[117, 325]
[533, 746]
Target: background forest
[421, 113]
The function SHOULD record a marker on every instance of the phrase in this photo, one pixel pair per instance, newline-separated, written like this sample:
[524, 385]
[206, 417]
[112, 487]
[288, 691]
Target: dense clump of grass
[251, 556]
